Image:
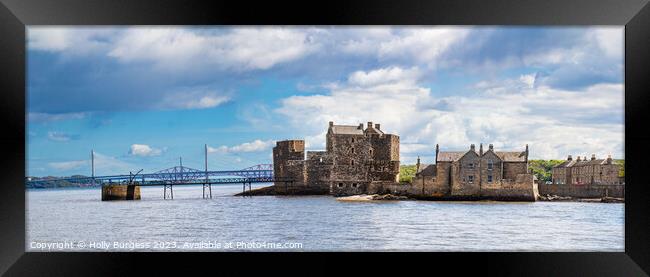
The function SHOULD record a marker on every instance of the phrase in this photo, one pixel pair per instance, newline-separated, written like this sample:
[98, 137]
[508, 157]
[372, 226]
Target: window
[490, 165]
[352, 162]
[489, 178]
[352, 150]
[470, 178]
[354, 185]
[470, 165]
[352, 140]
[340, 185]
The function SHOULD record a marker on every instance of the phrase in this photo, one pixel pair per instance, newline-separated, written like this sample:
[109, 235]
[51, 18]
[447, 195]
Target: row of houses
[587, 171]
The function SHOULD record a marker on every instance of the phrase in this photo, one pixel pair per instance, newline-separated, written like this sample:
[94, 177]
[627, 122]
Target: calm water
[75, 219]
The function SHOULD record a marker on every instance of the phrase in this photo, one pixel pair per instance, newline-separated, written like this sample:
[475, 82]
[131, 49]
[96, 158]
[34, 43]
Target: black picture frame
[16, 14]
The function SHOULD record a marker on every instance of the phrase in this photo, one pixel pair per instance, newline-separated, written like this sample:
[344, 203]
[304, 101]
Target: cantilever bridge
[181, 175]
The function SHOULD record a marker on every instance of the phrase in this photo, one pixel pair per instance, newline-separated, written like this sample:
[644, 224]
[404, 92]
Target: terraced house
[586, 171]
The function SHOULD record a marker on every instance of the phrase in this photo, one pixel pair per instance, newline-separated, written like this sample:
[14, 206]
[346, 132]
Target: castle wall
[583, 191]
[288, 162]
[521, 188]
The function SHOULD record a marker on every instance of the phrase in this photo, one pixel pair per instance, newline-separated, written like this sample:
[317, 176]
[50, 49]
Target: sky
[142, 97]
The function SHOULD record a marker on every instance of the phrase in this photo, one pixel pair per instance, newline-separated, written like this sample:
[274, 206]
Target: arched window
[352, 150]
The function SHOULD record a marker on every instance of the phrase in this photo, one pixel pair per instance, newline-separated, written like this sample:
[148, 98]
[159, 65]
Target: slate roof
[451, 156]
[512, 156]
[374, 130]
[347, 130]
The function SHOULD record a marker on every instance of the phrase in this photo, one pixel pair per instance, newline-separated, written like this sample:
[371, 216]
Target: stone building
[586, 171]
[476, 175]
[354, 159]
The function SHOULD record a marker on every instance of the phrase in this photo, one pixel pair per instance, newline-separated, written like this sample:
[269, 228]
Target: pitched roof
[450, 156]
[374, 131]
[426, 169]
[512, 156]
[346, 130]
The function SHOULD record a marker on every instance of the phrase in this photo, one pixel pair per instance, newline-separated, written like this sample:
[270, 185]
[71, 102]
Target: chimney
[360, 126]
[593, 157]
[472, 148]
[569, 158]
[578, 159]
[417, 168]
[437, 150]
[369, 124]
[331, 123]
[526, 152]
[480, 149]
[609, 159]
[491, 147]
[377, 126]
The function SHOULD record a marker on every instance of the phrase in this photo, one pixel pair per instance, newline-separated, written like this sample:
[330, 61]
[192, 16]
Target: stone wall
[512, 169]
[583, 191]
[288, 161]
[521, 188]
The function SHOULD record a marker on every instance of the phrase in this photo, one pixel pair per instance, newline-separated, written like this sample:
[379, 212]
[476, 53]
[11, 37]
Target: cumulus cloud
[239, 49]
[508, 113]
[253, 146]
[144, 150]
[72, 41]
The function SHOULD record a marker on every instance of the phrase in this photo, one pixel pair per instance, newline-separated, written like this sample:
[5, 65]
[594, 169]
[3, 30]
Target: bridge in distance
[180, 175]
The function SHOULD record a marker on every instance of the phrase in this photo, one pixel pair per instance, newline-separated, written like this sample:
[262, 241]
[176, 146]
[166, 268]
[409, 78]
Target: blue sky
[142, 97]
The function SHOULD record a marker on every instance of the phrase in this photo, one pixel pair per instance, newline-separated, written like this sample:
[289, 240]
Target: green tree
[406, 173]
[543, 168]
[621, 171]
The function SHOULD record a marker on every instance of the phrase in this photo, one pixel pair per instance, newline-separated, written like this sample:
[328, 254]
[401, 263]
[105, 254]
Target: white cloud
[239, 49]
[74, 41]
[254, 146]
[508, 113]
[59, 136]
[144, 150]
[192, 100]
[610, 40]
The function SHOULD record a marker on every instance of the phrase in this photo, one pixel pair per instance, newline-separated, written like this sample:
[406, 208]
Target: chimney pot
[369, 124]
[377, 126]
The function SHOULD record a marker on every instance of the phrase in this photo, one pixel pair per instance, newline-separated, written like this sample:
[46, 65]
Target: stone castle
[476, 175]
[355, 159]
[360, 160]
[586, 171]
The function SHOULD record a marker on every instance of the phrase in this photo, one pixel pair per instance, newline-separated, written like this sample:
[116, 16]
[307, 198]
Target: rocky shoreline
[556, 198]
[271, 190]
